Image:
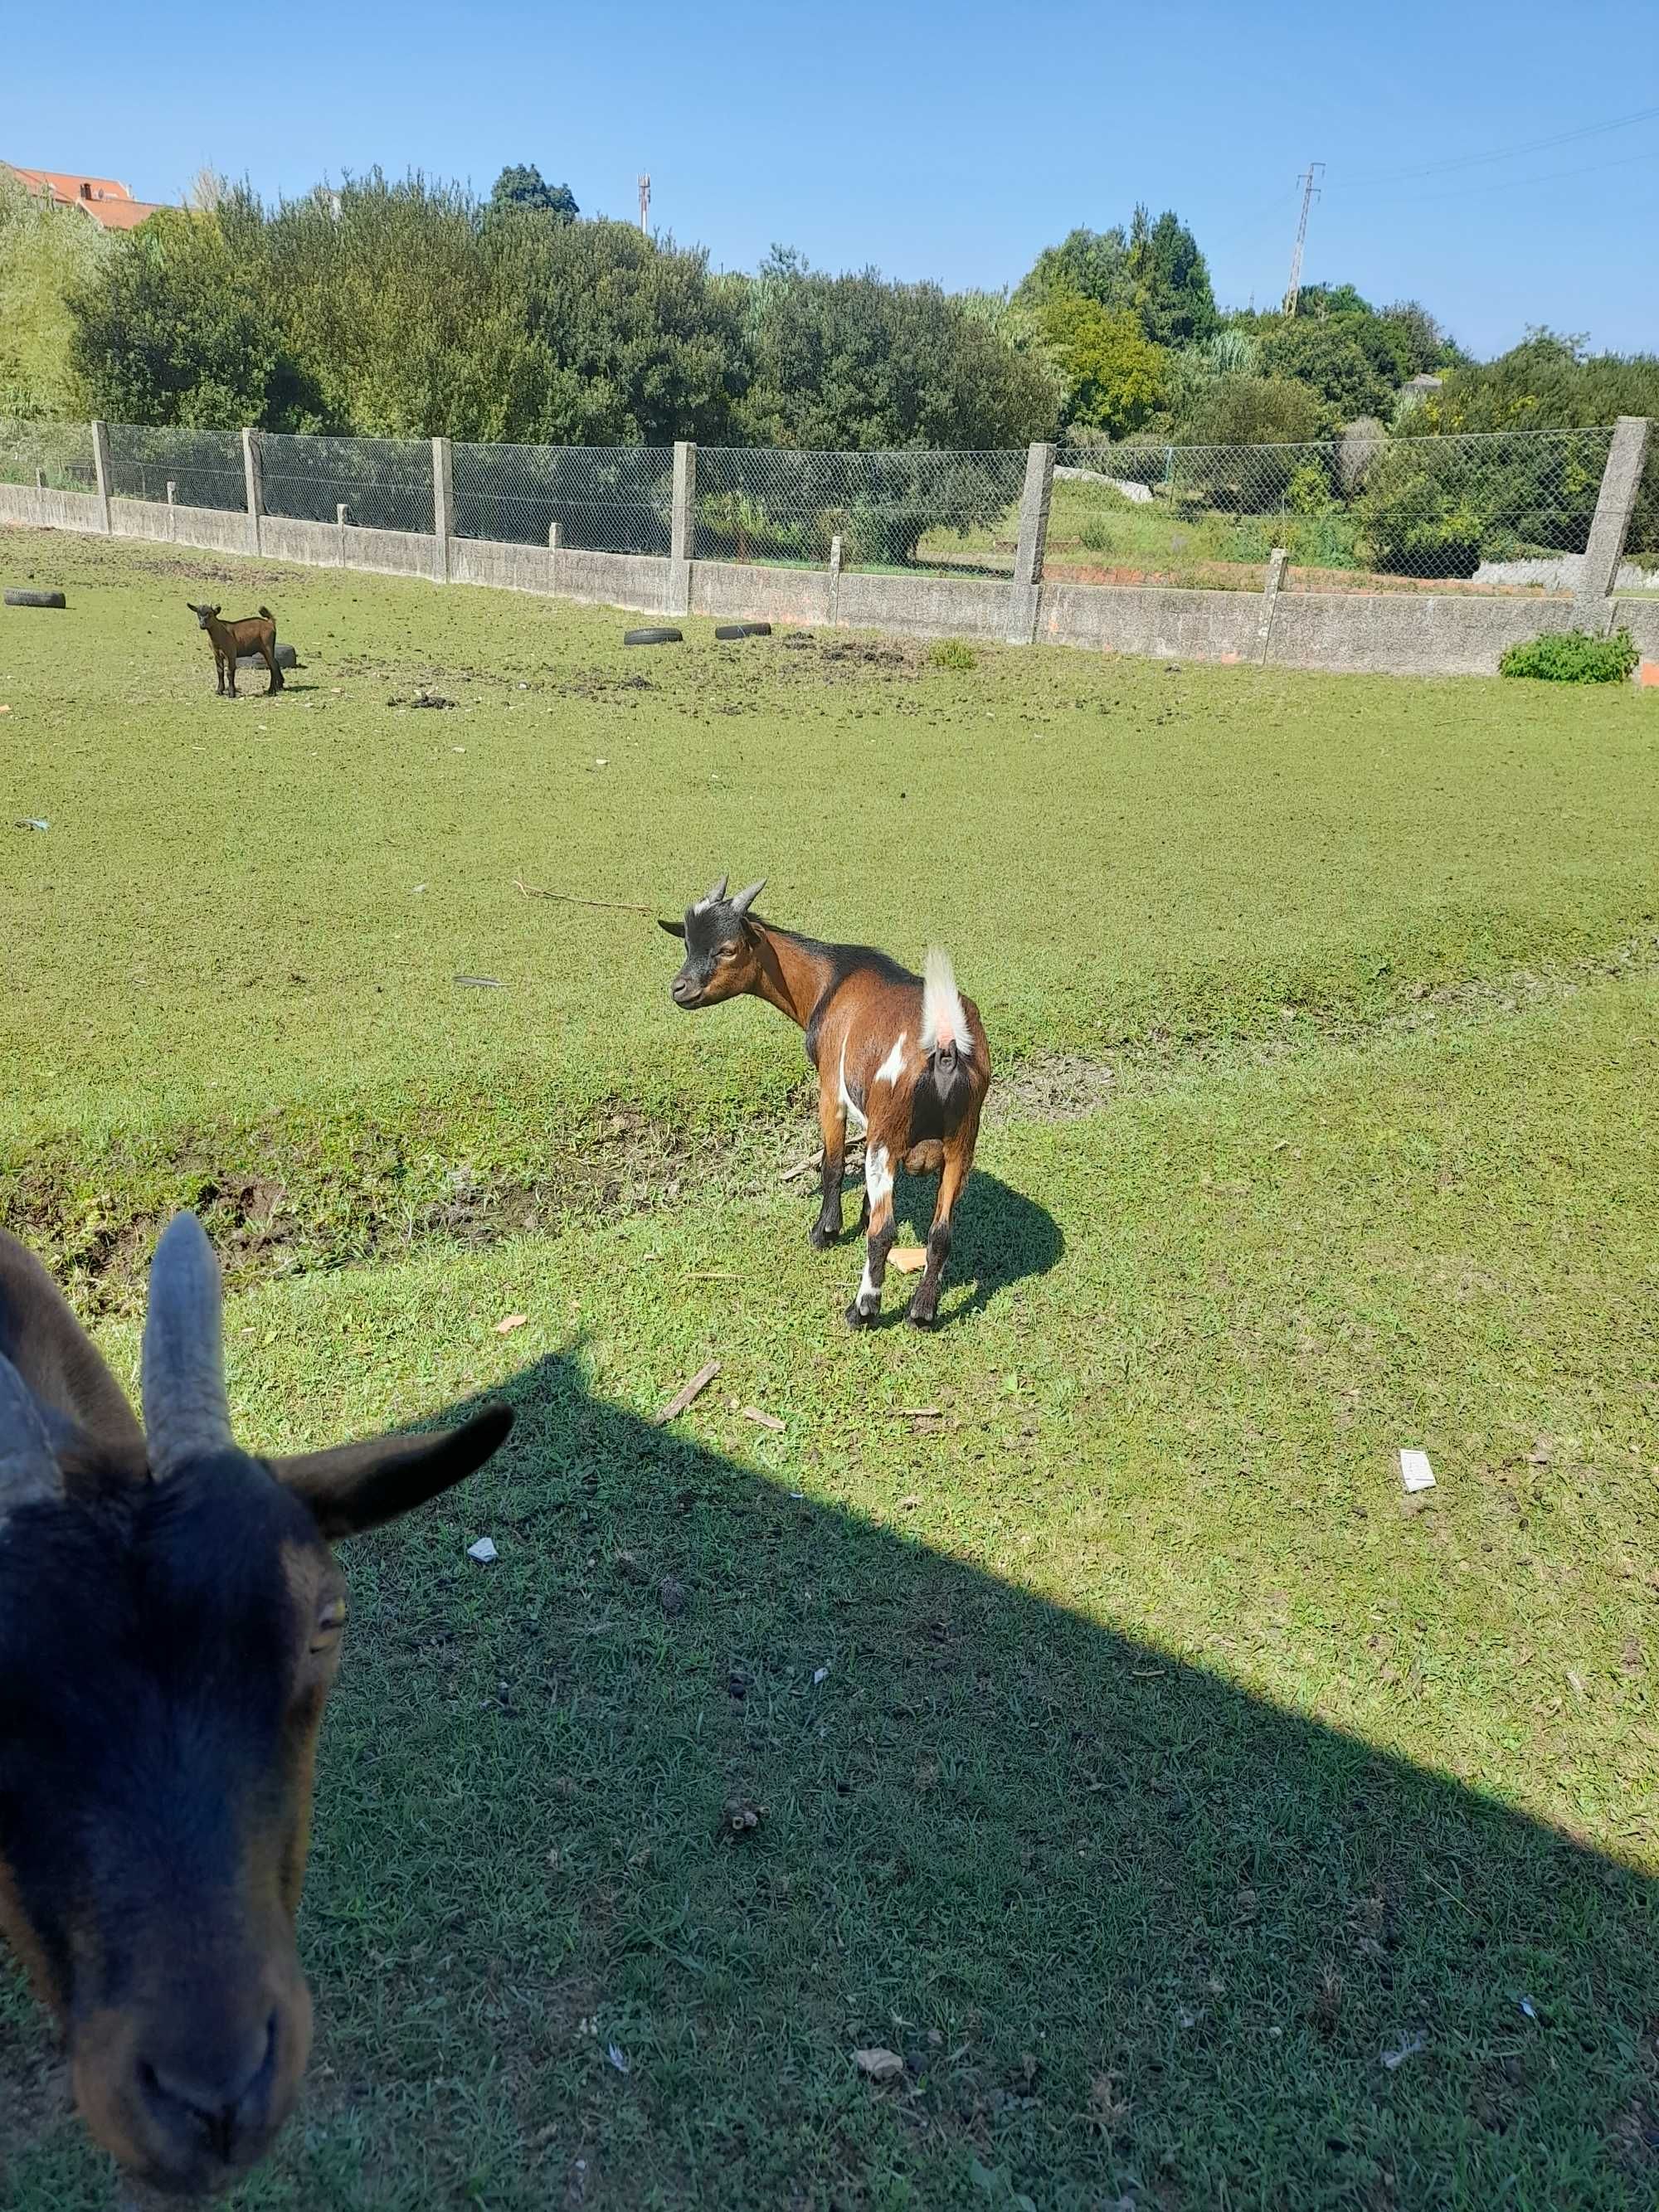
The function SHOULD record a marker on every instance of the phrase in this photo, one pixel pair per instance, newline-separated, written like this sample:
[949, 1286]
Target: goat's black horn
[186, 1415]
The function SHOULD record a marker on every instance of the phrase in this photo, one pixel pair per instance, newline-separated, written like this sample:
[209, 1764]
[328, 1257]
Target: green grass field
[1203, 1822]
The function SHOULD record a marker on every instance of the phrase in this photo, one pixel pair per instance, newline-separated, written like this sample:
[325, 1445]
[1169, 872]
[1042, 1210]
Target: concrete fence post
[102, 472]
[173, 502]
[682, 528]
[1621, 479]
[254, 476]
[1033, 542]
[834, 579]
[1264, 629]
[552, 556]
[340, 515]
[443, 507]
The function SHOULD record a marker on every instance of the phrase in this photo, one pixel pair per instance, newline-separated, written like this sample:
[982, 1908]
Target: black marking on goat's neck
[837, 964]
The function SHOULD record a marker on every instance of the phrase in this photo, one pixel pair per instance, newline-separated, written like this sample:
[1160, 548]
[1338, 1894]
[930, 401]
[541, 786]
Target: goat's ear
[674, 928]
[356, 1486]
[215, 610]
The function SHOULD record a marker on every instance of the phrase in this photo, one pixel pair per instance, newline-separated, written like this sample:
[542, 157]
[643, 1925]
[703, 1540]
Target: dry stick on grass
[569, 898]
[682, 1398]
[763, 1420]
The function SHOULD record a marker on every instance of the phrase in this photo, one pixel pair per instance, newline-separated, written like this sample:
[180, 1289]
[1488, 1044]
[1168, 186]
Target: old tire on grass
[247, 663]
[35, 600]
[651, 637]
[744, 630]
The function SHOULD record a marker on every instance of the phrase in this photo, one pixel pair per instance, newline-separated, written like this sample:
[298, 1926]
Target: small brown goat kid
[248, 634]
[904, 1056]
[171, 1617]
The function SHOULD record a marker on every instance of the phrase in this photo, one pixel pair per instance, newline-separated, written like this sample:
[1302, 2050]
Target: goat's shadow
[1001, 1237]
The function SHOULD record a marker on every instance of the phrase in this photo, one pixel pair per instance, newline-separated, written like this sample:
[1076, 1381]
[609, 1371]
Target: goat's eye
[728, 953]
[329, 1622]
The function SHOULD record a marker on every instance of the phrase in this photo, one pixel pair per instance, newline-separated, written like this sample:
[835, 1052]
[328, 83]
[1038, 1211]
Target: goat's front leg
[879, 1193]
[218, 673]
[230, 670]
[832, 1124]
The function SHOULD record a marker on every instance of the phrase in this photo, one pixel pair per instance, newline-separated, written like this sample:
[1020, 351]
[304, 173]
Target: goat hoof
[820, 1235]
[923, 1317]
[859, 1316]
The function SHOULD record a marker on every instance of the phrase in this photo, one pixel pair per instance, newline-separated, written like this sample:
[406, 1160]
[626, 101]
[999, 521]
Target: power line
[1503, 153]
[1523, 184]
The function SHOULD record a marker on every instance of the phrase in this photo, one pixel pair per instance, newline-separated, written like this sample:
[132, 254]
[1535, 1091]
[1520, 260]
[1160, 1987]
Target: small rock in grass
[672, 1596]
[483, 1551]
[879, 2064]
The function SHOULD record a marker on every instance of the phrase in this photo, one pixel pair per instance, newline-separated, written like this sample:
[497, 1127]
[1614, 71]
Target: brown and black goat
[249, 634]
[903, 1057]
[170, 1622]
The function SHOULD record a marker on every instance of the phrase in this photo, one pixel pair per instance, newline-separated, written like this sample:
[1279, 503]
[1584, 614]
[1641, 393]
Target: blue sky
[951, 142]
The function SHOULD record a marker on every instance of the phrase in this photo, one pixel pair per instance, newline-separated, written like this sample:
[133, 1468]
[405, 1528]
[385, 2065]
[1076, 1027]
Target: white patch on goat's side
[943, 1021]
[891, 1067]
[854, 1113]
[877, 1174]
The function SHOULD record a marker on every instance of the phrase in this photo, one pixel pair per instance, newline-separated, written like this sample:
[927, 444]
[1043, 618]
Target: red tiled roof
[105, 200]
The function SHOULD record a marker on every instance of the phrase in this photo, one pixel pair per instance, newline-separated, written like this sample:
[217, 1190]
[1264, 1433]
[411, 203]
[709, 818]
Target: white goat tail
[942, 1019]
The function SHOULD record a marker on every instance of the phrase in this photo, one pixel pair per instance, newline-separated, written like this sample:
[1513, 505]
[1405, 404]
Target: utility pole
[644, 203]
[1309, 185]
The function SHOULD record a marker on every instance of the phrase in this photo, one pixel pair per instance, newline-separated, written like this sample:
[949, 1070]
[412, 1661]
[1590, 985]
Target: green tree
[851, 362]
[1169, 279]
[46, 253]
[179, 326]
[522, 189]
[1115, 379]
[1255, 410]
[623, 338]
[1338, 359]
[1091, 263]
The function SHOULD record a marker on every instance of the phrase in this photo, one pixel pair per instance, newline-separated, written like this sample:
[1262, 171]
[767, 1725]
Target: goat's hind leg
[832, 1124]
[269, 653]
[879, 1193]
[958, 1158]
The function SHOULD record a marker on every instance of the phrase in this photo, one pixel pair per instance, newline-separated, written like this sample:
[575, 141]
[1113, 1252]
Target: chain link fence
[949, 513]
[1503, 511]
[601, 499]
[48, 456]
[204, 467]
[385, 483]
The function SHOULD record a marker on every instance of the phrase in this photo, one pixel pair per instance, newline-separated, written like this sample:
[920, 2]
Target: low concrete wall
[731, 589]
[50, 510]
[1406, 633]
[1171, 625]
[316, 544]
[1389, 633]
[215, 530]
[925, 607]
[385, 552]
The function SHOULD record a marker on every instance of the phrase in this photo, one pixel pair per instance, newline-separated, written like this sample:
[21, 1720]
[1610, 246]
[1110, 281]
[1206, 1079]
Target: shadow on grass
[1138, 1936]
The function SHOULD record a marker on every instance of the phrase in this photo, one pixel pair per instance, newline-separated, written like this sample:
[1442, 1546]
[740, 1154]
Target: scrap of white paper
[1415, 1472]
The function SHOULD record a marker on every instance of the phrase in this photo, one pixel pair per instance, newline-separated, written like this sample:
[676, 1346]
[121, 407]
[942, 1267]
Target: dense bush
[1573, 656]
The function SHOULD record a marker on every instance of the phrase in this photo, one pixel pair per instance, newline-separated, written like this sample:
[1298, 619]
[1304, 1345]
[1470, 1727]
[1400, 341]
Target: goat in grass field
[903, 1057]
[249, 634]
